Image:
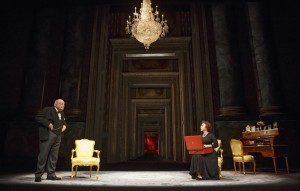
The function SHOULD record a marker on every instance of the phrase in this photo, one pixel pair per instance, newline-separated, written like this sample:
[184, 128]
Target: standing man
[52, 123]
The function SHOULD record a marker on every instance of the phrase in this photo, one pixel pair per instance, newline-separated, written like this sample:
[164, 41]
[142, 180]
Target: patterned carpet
[152, 180]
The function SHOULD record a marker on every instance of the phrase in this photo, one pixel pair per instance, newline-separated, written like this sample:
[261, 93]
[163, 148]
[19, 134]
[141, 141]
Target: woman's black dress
[206, 165]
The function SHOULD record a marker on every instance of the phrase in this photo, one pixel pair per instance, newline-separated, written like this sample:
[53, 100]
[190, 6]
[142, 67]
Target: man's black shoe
[38, 179]
[53, 178]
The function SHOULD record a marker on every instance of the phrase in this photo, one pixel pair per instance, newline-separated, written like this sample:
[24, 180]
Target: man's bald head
[59, 104]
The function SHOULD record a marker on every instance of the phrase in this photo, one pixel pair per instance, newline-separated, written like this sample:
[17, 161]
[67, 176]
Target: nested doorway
[149, 88]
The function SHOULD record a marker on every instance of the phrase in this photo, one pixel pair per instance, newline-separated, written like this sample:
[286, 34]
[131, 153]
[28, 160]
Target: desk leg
[287, 165]
[275, 165]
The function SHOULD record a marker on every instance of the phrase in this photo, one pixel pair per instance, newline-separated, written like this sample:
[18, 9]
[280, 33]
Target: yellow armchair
[238, 155]
[82, 155]
[220, 157]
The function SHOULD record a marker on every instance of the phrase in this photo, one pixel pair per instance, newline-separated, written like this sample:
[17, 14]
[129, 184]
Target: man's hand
[50, 126]
[63, 128]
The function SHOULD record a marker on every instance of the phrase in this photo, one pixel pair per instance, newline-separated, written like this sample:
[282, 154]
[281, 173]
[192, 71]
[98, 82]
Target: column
[73, 60]
[268, 95]
[230, 79]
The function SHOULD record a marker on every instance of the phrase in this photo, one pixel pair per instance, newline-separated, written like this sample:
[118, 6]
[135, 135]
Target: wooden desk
[266, 143]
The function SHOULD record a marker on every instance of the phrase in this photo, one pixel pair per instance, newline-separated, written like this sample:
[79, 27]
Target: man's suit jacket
[45, 117]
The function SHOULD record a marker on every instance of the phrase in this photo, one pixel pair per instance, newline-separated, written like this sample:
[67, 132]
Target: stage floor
[152, 180]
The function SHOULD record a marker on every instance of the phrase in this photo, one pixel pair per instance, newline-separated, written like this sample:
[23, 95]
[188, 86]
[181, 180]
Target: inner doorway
[151, 147]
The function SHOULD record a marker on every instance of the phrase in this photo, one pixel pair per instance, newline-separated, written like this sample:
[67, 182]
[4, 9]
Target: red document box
[194, 145]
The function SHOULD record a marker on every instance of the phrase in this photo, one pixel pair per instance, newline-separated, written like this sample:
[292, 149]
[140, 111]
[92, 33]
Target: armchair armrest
[98, 153]
[73, 151]
[221, 153]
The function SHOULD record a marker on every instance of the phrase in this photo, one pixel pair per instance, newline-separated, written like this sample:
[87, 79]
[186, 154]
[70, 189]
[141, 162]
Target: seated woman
[205, 167]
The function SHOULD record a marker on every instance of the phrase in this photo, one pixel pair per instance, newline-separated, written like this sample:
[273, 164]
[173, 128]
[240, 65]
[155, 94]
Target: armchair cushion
[247, 158]
[85, 160]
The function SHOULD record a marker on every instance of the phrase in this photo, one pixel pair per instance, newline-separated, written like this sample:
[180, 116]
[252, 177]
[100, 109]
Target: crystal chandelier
[146, 26]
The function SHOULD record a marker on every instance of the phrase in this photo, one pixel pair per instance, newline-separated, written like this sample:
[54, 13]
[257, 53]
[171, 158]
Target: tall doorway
[150, 92]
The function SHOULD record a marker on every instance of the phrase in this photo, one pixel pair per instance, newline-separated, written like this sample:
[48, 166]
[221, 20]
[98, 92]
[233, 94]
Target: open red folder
[194, 145]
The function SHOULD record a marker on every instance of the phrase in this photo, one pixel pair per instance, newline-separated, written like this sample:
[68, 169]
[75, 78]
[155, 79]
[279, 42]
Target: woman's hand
[207, 146]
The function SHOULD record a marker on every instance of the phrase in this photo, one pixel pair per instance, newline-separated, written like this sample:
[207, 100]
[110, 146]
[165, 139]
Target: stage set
[152, 180]
[232, 63]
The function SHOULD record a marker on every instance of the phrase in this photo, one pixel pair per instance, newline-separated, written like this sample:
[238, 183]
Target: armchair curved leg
[98, 167]
[72, 171]
[76, 168]
[254, 167]
[234, 167]
[244, 167]
[287, 165]
[90, 171]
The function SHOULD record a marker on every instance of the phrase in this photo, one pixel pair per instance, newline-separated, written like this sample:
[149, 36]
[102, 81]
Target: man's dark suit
[49, 140]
